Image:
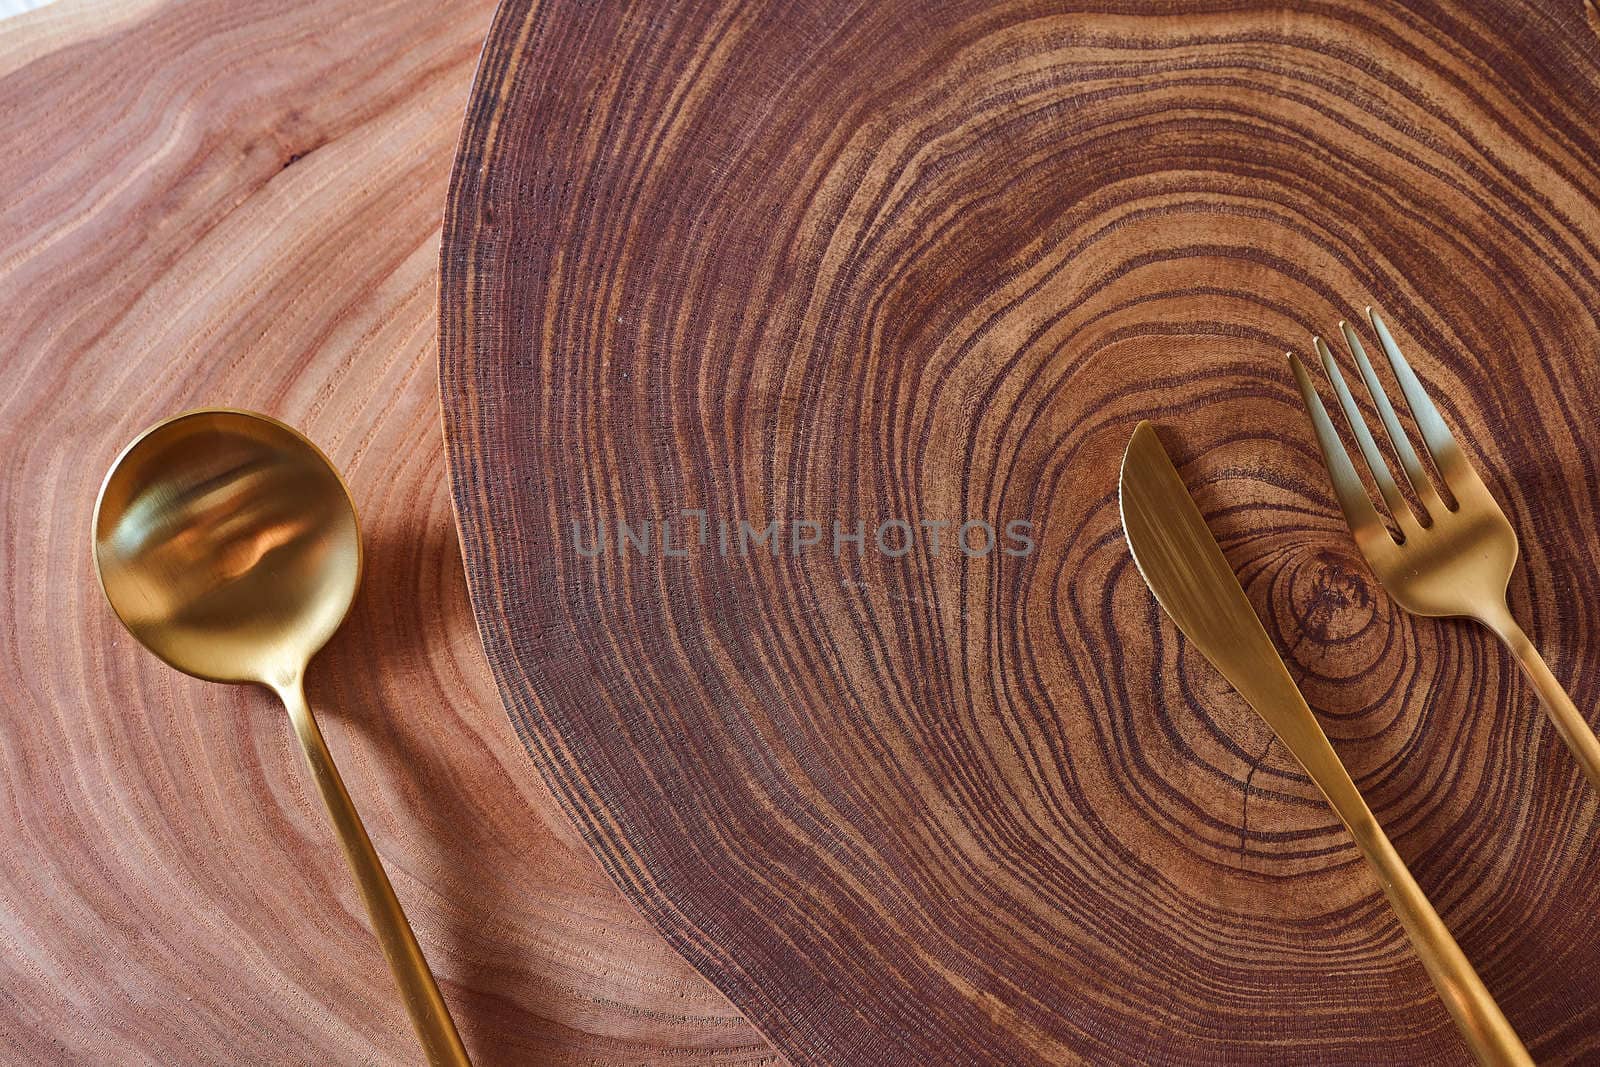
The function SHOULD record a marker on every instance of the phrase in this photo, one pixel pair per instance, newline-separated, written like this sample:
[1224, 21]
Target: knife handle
[1484, 1027]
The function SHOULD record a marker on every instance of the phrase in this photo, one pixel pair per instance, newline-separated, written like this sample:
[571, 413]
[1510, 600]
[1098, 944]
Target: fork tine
[1359, 513]
[1447, 456]
[1421, 484]
[1369, 447]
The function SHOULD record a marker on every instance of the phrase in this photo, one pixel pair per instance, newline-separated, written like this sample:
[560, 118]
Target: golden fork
[1460, 562]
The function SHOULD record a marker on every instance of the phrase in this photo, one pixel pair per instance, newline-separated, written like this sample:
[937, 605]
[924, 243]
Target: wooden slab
[239, 203]
[833, 262]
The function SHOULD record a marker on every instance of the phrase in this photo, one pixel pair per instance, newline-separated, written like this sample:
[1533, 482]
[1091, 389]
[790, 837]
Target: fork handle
[1569, 723]
[1483, 1025]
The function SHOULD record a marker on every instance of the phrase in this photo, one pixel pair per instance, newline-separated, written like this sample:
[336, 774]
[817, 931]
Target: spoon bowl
[228, 544]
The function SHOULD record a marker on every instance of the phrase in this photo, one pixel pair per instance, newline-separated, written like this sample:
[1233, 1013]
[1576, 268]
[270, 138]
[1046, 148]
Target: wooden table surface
[240, 203]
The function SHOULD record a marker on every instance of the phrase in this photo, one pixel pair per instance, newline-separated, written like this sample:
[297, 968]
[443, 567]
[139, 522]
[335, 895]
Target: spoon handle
[426, 1007]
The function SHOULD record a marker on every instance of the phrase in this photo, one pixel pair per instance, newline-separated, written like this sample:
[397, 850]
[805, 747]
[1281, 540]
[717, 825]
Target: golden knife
[1191, 579]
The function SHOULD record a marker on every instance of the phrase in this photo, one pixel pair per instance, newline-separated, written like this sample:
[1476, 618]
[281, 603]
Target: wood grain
[839, 262]
[240, 203]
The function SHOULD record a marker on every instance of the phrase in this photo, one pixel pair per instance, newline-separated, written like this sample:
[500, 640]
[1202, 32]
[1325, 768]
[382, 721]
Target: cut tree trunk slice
[839, 263]
[223, 202]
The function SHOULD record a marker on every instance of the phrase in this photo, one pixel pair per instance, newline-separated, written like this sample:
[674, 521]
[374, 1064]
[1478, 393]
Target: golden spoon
[227, 543]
